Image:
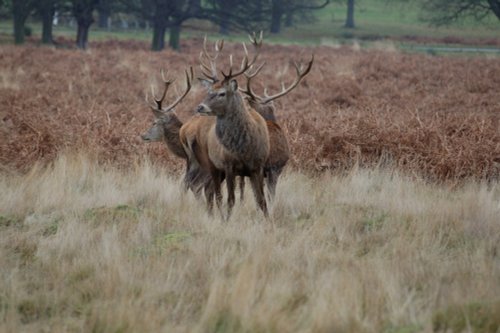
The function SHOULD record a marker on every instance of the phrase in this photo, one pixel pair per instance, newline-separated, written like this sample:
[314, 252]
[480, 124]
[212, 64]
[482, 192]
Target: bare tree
[21, 9]
[83, 12]
[280, 8]
[46, 10]
[441, 12]
[349, 21]
[165, 15]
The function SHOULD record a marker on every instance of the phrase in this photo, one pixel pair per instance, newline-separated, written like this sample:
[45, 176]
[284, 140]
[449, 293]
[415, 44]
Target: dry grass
[96, 248]
[425, 115]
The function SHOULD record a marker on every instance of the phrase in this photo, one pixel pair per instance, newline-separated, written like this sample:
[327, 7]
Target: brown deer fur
[238, 142]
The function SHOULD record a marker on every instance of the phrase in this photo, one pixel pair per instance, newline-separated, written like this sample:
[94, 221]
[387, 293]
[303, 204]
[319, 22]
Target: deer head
[222, 93]
[165, 116]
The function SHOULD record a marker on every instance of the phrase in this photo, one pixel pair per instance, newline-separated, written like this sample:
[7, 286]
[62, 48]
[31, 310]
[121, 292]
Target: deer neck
[234, 129]
[171, 133]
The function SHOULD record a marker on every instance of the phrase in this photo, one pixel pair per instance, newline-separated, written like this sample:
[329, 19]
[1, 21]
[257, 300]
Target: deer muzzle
[203, 109]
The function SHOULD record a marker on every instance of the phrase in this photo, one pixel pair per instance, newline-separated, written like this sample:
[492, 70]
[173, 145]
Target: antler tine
[248, 91]
[253, 39]
[251, 75]
[210, 70]
[245, 63]
[301, 73]
[167, 85]
[189, 80]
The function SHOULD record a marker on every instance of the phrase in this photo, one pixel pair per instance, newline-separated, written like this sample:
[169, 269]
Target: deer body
[243, 136]
[167, 127]
[280, 151]
[238, 142]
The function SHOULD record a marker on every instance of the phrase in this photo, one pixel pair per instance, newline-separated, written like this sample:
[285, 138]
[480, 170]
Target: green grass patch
[110, 215]
[471, 317]
[410, 328]
[164, 243]
[10, 221]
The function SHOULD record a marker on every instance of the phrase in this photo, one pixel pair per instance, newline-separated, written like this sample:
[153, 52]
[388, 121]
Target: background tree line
[161, 15]
[230, 15]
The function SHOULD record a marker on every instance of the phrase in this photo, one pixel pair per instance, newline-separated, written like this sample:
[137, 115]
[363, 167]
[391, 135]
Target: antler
[210, 70]
[189, 80]
[301, 73]
[248, 90]
[245, 64]
[167, 85]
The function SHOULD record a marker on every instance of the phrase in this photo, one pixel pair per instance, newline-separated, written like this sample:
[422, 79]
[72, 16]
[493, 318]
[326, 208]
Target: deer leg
[230, 183]
[242, 188]
[257, 181]
[192, 180]
[272, 182]
[185, 180]
[217, 180]
[209, 196]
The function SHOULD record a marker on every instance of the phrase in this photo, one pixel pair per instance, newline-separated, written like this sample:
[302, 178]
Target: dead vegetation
[432, 116]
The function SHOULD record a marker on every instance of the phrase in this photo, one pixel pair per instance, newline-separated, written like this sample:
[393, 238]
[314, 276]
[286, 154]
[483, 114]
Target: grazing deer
[279, 150]
[238, 142]
[166, 127]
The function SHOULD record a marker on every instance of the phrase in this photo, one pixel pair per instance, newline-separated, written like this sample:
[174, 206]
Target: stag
[279, 150]
[166, 127]
[238, 142]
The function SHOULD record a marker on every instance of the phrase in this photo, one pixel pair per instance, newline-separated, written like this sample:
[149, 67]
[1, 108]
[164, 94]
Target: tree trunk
[158, 43]
[82, 35]
[47, 20]
[18, 30]
[277, 13]
[20, 13]
[82, 11]
[175, 36]
[349, 23]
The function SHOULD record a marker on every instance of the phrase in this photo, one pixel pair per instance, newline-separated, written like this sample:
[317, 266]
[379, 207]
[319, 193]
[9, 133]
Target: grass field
[89, 247]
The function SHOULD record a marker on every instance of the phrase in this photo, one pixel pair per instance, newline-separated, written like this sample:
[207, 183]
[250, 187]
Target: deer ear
[233, 85]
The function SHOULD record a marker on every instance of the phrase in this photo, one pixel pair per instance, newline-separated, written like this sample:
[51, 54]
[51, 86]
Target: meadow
[88, 247]
[386, 220]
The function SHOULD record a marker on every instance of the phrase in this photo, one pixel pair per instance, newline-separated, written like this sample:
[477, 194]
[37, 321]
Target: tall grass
[96, 248]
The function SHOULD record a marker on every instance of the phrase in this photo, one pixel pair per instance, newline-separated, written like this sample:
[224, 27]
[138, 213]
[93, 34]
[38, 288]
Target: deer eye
[222, 94]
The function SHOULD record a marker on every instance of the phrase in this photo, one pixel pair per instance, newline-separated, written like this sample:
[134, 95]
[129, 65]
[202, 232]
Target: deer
[238, 142]
[279, 151]
[166, 127]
